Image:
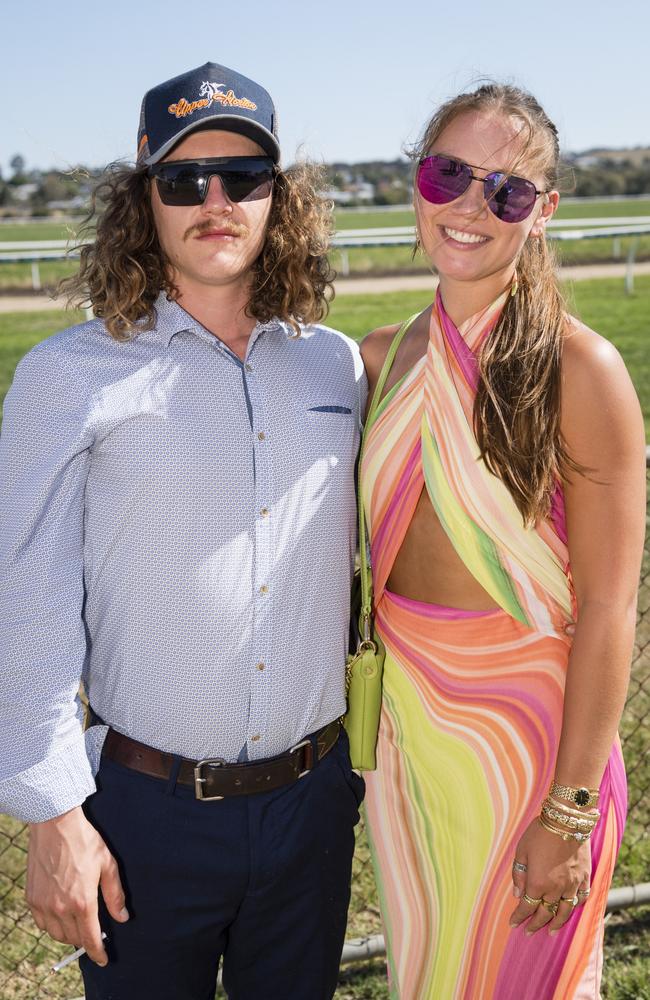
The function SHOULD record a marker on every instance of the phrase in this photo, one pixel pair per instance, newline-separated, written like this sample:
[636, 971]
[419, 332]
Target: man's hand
[67, 862]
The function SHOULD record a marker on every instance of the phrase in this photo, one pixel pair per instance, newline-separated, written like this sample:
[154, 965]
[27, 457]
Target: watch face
[582, 796]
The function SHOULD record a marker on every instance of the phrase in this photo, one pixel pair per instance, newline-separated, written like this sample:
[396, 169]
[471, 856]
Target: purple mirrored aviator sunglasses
[440, 179]
[186, 182]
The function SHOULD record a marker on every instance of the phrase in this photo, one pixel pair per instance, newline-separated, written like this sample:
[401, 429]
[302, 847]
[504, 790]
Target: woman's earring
[514, 286]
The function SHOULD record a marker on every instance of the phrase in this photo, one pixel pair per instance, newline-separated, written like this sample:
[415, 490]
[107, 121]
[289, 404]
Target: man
[178, 516]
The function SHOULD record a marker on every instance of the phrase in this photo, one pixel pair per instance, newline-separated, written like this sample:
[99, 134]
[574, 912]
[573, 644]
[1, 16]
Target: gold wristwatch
[581, 796]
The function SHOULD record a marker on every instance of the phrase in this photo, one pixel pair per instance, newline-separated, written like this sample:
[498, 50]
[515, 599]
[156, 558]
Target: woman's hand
[557, 872]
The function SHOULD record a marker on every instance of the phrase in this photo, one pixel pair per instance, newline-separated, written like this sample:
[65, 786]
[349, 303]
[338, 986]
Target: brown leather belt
[214, 778]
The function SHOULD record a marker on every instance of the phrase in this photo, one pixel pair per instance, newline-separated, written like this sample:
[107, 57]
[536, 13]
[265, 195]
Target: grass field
[361, 260]
[11, 232]
[368, 259]
[626, 321]
[568, 210]
[363, 219]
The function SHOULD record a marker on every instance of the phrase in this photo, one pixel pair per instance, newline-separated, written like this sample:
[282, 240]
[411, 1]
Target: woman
[503, 480]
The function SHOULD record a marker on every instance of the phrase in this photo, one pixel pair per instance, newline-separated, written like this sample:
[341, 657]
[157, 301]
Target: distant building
[23, 192]
[69, 205]
[593, 157]
[353, 193]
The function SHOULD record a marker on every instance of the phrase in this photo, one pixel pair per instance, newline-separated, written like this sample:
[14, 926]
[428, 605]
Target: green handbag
[363, 673]
[364, 668]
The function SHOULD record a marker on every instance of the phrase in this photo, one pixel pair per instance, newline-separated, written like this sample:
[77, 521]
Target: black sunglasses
[186, 182]
[441, 179]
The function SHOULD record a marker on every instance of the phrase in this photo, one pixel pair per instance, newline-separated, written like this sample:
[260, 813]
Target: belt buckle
[199, 780]
[303, 743]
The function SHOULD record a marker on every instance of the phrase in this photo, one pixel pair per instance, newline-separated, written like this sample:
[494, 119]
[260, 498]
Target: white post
[36, 276]
[629, 270]
[616, 249]
[345, 263]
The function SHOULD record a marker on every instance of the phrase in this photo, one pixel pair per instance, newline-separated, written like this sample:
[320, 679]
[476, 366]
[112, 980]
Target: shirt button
[261, 666]
[256, 737]
[264, 589]
[265, 512]
[261, 435]
[248, 367]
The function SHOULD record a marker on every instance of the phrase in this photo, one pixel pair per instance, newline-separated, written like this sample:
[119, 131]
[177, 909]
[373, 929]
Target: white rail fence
[581, 229]
[35, 252]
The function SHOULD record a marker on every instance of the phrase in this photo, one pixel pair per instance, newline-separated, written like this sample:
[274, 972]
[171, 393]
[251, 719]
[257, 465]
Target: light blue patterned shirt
[177, 527]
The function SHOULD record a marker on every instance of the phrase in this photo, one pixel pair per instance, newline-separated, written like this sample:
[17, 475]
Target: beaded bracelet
[580, 837]
[572, 822]
[580, 813]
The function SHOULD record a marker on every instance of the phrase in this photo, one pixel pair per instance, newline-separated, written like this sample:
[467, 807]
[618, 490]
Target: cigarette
[73, 957]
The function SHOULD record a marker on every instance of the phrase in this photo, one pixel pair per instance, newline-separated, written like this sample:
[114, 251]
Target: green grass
[568, 210]
[22, 330]
[362, 260]
[626, 321]
[33, 231]
[18, 276]
[577, 209]
[373, 220]
[601, 250]
[623, 319]
[368, 219]
[390, 259]
[602, 304]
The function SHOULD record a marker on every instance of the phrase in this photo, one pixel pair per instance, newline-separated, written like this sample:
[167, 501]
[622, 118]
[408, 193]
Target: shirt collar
[171, 319]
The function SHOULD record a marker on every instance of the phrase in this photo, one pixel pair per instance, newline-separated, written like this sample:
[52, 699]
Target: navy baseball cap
[210, 96]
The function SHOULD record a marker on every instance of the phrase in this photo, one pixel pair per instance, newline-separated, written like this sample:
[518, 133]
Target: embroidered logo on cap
[210, 93]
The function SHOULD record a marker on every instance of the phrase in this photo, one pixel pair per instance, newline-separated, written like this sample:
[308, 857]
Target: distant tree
[637, 181]
[612, 181]
[56, 187]
[17, 164]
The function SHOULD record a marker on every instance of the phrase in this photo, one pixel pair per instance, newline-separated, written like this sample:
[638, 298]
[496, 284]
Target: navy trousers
[262, 881]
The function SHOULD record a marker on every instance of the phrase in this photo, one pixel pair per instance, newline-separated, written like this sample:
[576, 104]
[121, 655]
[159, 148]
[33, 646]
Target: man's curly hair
[123, 268]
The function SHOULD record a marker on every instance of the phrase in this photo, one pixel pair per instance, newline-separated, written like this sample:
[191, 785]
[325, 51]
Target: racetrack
[358, 286]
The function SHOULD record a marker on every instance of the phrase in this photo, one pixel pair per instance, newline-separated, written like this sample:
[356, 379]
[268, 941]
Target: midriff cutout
[427, 567]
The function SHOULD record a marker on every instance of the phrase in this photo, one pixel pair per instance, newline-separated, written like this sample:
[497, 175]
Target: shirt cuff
[56, 784]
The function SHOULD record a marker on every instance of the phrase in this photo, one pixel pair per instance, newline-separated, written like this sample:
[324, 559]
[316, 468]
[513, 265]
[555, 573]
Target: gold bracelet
[580, 837]
[567, 821]
[581, 796]
[560, 804]
[572, 822]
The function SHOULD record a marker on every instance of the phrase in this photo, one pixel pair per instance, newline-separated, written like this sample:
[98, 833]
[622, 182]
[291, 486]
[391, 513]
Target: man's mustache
[211, 225]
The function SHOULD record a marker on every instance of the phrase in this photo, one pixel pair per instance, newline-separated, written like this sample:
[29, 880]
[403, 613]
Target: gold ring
[529, 899]
[549, 905]
[569, 899]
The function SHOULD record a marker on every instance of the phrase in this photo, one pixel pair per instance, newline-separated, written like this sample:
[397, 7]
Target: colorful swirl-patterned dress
[472, 707]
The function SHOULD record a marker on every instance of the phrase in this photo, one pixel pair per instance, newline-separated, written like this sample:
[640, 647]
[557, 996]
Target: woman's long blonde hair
[123, 267]
[517, 407]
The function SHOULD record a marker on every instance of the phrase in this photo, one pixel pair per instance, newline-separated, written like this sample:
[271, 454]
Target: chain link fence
[26, 955]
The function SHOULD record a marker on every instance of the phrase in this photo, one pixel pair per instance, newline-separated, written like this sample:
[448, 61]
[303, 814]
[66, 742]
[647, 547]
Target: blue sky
[351, 80]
